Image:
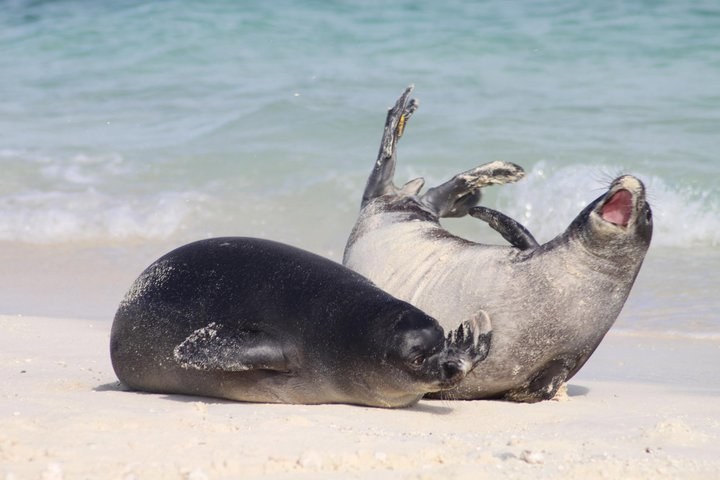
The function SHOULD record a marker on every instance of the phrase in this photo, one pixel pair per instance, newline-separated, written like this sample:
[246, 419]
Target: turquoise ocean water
[128, 128]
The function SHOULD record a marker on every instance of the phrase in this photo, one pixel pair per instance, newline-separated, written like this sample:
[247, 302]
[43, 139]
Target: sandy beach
[641, 408]
[128, 129]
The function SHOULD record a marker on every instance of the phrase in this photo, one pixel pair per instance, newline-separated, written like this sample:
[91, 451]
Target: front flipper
[456, 196]
[215, 347]
[473, 337]
[381, 179]
[511, 230]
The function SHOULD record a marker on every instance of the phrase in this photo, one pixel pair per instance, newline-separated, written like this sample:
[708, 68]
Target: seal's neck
[601, 247]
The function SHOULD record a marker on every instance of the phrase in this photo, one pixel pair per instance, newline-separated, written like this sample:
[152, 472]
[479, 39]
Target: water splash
[549, 198]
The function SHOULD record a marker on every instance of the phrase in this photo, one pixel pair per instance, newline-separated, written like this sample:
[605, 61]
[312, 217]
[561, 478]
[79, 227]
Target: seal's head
[617, 224]
[423, 358]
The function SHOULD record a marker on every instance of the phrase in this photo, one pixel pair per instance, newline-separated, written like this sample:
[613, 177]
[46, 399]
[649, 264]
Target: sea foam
[548, 199]
[86, 198]
[92, 216]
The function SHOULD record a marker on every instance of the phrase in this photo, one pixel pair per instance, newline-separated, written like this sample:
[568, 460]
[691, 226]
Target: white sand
[62, 415]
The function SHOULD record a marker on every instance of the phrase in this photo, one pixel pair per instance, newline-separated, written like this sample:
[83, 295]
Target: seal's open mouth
[618, 208]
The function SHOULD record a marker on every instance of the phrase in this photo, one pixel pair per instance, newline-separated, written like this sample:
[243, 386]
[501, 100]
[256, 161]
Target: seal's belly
[450, 281]
[540, 310]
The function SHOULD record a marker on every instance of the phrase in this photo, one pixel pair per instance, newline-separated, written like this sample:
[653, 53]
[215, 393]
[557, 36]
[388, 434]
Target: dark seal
[259, 321]
[550, 304]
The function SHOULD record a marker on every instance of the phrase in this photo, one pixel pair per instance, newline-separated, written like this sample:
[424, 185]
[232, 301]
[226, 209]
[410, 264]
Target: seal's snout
[618, 222]
[454, 371]
[625, 198]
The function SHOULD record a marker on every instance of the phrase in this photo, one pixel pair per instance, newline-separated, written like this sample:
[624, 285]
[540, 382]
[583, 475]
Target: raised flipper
[216, 348]
[511, 230]
[458, 195]
[473, 336]
[544, 385]
[381, 179]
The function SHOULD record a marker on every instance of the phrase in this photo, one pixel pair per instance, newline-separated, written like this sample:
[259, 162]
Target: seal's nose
[454, 370]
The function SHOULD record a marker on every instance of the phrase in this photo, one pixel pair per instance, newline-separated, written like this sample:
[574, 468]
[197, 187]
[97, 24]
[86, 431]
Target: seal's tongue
[618, 209]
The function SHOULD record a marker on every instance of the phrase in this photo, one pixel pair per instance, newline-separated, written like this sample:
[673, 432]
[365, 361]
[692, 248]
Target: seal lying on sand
[259, 321]
[550, 304]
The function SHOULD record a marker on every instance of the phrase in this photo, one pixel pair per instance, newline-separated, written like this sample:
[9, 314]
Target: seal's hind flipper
[458, 195]
[510, 229]
[381, 179]
[216, 348]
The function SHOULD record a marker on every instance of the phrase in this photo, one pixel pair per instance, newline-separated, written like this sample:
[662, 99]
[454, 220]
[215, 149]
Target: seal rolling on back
[550, 304]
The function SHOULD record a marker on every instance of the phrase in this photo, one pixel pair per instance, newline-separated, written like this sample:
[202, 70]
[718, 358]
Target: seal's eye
[418, 361]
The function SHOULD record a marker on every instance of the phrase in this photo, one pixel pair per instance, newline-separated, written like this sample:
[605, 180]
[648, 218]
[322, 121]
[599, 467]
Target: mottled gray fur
[550, 304]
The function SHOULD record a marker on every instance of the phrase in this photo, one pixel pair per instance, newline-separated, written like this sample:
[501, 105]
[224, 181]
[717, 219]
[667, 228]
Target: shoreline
[64, 415]
[89, 280]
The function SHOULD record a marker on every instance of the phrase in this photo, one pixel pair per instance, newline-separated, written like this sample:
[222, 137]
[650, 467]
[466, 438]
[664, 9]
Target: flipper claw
[473, 336]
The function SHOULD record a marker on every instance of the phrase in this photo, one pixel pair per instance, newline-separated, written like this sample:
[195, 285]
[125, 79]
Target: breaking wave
[548, 199]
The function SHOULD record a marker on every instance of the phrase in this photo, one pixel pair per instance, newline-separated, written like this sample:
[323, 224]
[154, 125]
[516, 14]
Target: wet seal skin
[259, 321]
[550, 304]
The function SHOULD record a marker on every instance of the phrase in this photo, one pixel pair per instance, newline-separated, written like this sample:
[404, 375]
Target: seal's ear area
[216, 348]
[511, 230]
[473, 337]
[456, 196]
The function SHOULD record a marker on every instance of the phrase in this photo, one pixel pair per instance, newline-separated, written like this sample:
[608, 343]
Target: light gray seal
[259, 321]
[550, 304]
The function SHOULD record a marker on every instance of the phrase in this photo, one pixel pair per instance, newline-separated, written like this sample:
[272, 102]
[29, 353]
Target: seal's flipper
[412, 187]
[544, 385]
[448, 203]
[455, 197]
[381, 179]
[216, 348]
[510, 229]
[473, 336]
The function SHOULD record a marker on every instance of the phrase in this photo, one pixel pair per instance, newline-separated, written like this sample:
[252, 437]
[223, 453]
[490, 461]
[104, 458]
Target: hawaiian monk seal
[258, 321]
[550, 304]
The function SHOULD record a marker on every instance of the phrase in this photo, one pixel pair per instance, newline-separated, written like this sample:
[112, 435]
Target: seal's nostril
[452, 370]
